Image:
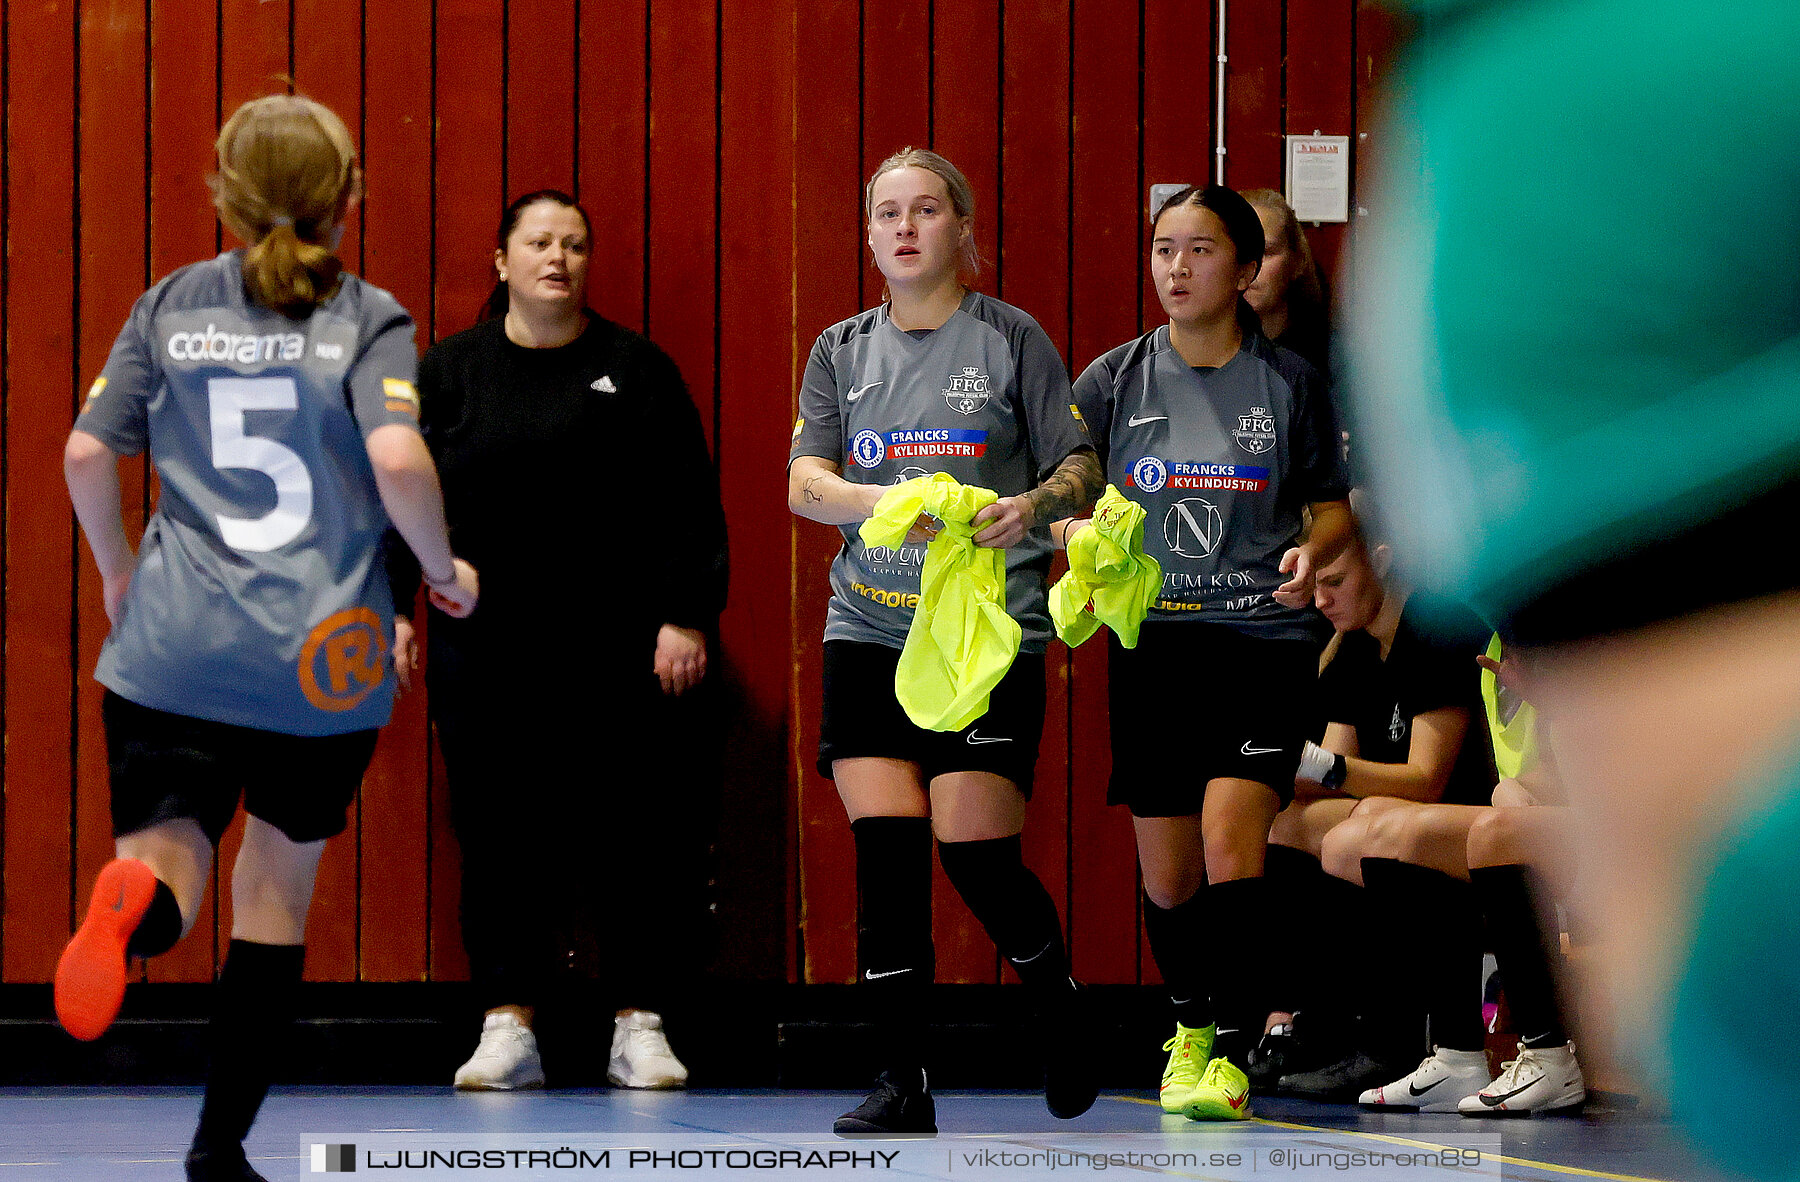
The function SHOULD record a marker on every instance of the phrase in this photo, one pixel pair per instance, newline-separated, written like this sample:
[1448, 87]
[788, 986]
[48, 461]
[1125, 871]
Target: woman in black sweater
[554, 703]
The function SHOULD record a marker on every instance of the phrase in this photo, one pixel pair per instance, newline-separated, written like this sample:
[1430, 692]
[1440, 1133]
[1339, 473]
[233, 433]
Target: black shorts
[863, 718]
[166, 766]
[1199, 702]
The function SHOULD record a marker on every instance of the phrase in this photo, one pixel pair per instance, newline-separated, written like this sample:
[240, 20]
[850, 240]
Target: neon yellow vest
[1515, 741]
[1111, 580]
[961, 642]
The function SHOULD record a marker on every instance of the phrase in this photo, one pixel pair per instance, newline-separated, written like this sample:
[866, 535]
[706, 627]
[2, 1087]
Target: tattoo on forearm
[810, 495]
[1075, 485]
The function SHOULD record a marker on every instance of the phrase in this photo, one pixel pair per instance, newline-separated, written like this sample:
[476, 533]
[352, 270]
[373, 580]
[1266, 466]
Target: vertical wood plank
[1107, 247]
[394, 832]
[756, 88]
[449, 959]
[684, 187]
[1177, 106]
[255, 57]
[184, 123]
[829, 262]
[114, 194]
[540, 96]
[469, 183]
[40, 380]
[610, 179]
[966, 119]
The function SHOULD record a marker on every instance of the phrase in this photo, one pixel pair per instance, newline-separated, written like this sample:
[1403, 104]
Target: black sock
[1013, 907]
[893, 935]
[1179, 941]
[254, 1009]
[1237, 911]
[1392, 1026]
[1334, 927]
[1521, 925]
[1436, 945]
[160, 928]
[1295, 891]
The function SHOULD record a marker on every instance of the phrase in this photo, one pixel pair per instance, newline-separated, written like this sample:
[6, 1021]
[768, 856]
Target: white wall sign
[1318, 177]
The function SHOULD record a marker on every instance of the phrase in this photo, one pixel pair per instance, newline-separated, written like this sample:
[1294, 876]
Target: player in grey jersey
[249, 642]
[938, 379]
[1225, 440]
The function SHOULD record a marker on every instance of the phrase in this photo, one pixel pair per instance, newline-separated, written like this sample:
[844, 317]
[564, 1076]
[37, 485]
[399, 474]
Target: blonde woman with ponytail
[249, 649]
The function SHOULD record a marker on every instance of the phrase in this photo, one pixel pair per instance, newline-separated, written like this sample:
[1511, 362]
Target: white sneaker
[641, 1057]
[506, 1057]
[1436, 1085]
[1539, 1080]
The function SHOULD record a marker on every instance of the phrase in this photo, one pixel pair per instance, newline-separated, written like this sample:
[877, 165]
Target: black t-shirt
[577, 481]
[1380, 699]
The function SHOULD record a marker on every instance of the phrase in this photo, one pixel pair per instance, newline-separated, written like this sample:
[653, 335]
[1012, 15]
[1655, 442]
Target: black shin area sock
[1180, 943]
[254, 1009]
[1521, 924]
[1236, 912]
[1429, 965]
[1013, 907]
[1296, 885]
[893, 936]
[160, 928]
[1439, 948]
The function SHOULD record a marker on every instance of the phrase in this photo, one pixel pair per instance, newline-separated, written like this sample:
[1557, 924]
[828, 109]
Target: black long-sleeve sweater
[577, 481]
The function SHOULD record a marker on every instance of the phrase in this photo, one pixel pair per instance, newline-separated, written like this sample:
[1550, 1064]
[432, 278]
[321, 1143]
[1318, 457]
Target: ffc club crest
[967, 391]
[1255, 431]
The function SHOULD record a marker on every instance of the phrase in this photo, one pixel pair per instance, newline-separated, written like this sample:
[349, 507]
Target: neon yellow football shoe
[1188, 1052]
[1223, 1093]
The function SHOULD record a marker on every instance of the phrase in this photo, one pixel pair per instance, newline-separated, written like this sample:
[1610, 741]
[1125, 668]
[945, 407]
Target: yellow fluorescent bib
[961, 642]
[1111, 580]
[1515, 740]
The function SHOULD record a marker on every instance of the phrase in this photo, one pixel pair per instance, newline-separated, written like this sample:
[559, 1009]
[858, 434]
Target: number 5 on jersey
[229, 399]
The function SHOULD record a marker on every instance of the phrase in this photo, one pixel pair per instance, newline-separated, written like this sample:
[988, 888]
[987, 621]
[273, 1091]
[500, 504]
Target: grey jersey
[985, 398]
[259, 597]
[1223, 460]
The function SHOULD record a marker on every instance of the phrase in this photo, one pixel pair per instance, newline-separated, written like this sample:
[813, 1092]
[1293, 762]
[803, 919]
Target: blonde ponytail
[287, 176]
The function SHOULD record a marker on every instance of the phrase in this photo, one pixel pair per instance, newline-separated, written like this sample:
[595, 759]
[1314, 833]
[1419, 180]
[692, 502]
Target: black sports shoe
[1068, 1038]
[220, 1163]
[1278, 1054]
[1343, 1081]
[890, 1112]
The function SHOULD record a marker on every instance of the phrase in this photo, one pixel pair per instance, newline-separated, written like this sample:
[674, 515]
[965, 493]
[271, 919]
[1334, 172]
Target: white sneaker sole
[664, 1083]
[486, 1085]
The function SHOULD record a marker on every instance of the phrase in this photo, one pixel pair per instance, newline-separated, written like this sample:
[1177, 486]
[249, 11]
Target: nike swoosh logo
[1426, 1088]
[120, 905]
[1500, 1101]
[871, 975]
[976, 740]
[1247, 749]
[859, 391]
[1140, 420]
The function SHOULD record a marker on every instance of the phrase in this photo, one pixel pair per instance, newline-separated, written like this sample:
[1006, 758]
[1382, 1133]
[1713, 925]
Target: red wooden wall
[720, 146]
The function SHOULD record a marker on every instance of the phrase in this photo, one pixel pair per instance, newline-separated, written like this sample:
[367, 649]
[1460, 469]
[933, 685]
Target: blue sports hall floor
[82, 1134]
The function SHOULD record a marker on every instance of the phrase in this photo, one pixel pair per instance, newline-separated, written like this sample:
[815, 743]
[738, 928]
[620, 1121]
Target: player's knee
[1341, 852]
[1494, 838]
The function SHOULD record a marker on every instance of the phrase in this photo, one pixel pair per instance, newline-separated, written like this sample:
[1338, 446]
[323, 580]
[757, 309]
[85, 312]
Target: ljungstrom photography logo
[334, 1159]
